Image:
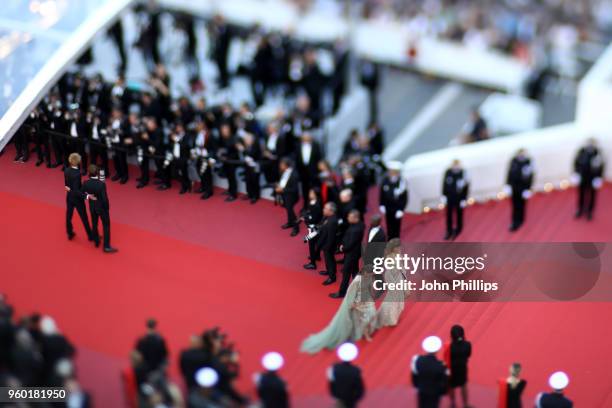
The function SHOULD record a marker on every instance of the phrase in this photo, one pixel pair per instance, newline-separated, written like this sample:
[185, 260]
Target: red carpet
[195, 264]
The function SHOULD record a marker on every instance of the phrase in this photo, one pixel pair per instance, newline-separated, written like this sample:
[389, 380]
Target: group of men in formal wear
[588, 169]
[35, 353]
[334, 212]
[92, 190]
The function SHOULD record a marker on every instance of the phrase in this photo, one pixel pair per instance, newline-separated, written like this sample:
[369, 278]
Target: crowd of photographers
[34, 353]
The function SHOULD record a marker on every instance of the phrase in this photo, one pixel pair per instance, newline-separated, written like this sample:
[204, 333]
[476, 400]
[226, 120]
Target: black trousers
[428, 400]
[270, 171]
[105, 217]
[313, 255]
[144, 170]
[306, 185]
[57, 143]
[291, 217]
[330, 262]
[207, 180]
[79, 205]
[230, 173]
[179, 170]
[121, 165]
[41, 140]
[394, 225]
[350, 267]
[22, 144]
[518, 209]
[99, 152]
[586, 198]
[454, 210]
[253, 185]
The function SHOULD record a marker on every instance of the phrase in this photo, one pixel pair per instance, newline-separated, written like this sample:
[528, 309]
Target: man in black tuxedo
[271, 388]
[375, 241]
[288, 191]
[393, 199]
[99, 208]
[229, 156]
[153, 347]
[429, 375]
[345, 380]
[180, 147]
[75, 196]
[308, 156]
[351, 246]
[588, 168]
[275, 147]
[326, 241]
[455, 187]
[97, 134]
[519, 181]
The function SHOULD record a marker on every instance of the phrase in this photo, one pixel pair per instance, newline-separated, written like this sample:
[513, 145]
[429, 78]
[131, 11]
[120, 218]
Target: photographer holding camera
[312, 216]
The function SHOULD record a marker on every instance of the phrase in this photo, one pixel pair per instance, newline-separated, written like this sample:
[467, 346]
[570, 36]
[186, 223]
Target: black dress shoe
[254, 200]
[97, 242]
[71, 235]
[294, 232]
[323, 273]
[329, 281]
[183, 191]
[110, 250]
[286, 226]
[205, 196]
[229, 199]
[141, 185]
[589, 216]
[123, 181]
[336, 296]
[310, 266]
[115, 177]
[200, 190]
[38, 163]
[163, 187]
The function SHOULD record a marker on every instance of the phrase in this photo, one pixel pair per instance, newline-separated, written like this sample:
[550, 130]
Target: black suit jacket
[97, 188]
[291, 192]
[153, 348]
[351, 242]
[347, 383]
[308, 171]
[429, 375]
[272, 391]
[72, 180]
[327, 234]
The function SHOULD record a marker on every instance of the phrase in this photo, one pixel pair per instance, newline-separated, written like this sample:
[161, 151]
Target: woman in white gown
[392, 306]
[353, 319]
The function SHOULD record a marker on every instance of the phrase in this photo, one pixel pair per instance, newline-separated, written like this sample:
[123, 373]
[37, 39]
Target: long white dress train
[392, 305]
[351, 321]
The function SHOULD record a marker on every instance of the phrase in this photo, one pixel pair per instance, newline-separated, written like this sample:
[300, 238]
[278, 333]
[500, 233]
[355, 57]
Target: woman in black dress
[511, 389]
[459, 352]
